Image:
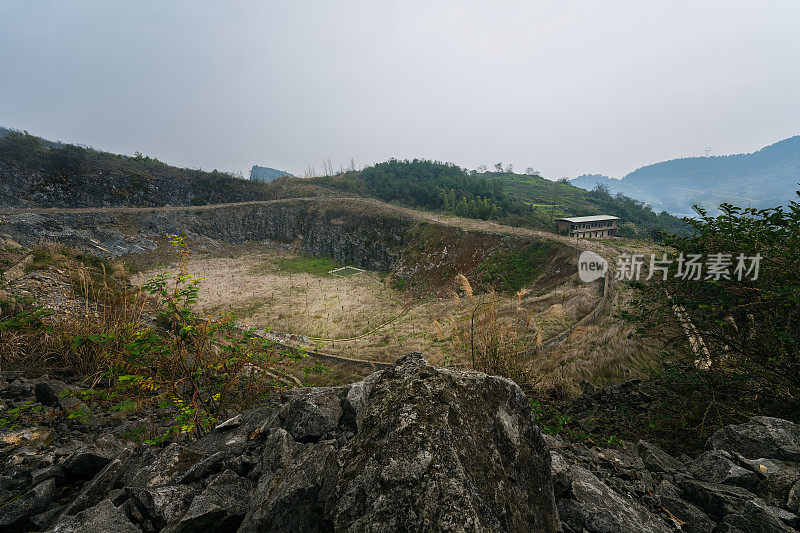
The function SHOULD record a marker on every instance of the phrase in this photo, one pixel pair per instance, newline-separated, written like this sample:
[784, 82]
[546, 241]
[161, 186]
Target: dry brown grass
[94, 303]
[261, 293]
[492, 339]
[194, 367]
[465, 287]
[253, 285]
[610, 349]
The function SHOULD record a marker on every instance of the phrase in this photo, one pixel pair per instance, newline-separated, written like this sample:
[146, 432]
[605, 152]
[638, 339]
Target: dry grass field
[360, 315]
[365, 316]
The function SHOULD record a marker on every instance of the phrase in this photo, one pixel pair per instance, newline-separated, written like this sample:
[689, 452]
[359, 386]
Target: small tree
[750, 324]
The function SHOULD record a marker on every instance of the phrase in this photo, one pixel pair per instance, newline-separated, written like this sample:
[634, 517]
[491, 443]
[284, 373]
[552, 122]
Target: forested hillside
[516, 199]
[39, 173]
[429, 185]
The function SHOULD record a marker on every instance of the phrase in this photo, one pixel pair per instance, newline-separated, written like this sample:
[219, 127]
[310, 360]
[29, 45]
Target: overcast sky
[566, 87]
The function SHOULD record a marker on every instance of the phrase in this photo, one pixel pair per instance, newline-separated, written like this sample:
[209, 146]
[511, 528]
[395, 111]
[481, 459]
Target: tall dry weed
[492, 343]
[464, 285]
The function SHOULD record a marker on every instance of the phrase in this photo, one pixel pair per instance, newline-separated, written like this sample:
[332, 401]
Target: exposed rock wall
[357, 236]
[355, 232]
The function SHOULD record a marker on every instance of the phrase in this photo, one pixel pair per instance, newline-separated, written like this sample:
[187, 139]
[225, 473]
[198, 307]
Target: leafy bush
[751, 325]
[195, 368]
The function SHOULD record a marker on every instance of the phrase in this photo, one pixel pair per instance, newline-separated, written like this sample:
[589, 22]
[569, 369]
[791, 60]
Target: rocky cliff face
[351, 231]
[323, 227]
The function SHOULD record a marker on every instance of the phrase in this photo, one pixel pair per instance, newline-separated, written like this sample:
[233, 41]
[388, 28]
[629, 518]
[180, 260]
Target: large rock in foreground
[451, 451]
[428, 449]
[410, 448]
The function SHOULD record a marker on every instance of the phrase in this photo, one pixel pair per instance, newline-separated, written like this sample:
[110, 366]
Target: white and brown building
[588, 227]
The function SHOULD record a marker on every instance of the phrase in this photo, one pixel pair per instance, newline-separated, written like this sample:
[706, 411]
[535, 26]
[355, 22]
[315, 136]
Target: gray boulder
[559, 471]
[793, 498]
[165, 504]
[693, 519]
[656, 460]
[18, 511]
[717, 466]
[170, 465]
[102, 518]
[293, 477]
[717, 500]
[449, 450]
[54, 393]
[761, 436]
[97, 489]
[88, 460]
[776, 486]
[206, 467]
[309, 414]
[220, 507]
[756, 518]
[412, 447]
[596, 508]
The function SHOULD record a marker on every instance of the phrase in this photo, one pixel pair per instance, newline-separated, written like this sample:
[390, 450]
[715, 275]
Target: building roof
[593, 218]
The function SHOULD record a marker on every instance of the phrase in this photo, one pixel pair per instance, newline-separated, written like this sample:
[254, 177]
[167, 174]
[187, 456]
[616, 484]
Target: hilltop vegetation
[428, 185]
[516, 199]
[39, 173]
[548, 200]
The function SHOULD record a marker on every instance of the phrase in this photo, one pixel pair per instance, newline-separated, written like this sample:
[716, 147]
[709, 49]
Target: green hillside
[515, 199]
[40, 173]
[548, 200]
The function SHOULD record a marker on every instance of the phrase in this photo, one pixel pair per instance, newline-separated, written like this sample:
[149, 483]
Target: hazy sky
[564, 86]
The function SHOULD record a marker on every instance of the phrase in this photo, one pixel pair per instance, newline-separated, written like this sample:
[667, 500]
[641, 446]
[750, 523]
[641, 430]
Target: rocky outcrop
[750, 486]
[351, 234]
[412, 447]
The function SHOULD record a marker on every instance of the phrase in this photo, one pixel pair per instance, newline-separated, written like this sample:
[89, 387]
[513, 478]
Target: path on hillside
[606, 250]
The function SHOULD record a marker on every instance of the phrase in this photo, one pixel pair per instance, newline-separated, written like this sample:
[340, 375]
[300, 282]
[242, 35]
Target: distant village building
[588, 227]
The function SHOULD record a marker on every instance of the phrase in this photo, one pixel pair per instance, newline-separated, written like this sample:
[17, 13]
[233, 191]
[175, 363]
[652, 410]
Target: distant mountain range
[258, 173]
[766, 178]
